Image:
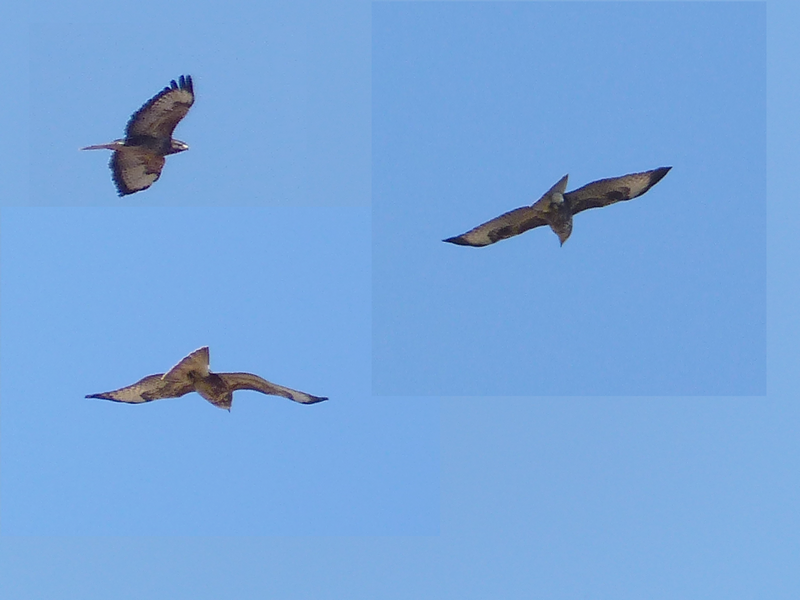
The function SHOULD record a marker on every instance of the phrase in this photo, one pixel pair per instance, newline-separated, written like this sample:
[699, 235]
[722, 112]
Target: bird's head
[553, 198]
[178, 146]
[556, 193]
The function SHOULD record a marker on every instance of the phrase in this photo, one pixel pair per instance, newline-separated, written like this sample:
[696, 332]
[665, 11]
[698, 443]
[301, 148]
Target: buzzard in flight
[138, 159]
[192, 375]
[556, 208]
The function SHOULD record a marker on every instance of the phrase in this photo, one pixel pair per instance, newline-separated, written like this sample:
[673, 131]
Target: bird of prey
[138, 158]
[557, 208]
[192, 375]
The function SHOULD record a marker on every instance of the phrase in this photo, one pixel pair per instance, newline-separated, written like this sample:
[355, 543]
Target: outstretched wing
[248, 381]
[162, 113]
[505, 226]
[513, 222]
[195, 363]
[153, 387]
[608, 191]
[135, 169]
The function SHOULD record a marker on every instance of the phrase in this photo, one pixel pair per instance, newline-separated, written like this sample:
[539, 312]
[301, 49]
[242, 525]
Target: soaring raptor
[138, 159]
[192, 375]
[556, 208]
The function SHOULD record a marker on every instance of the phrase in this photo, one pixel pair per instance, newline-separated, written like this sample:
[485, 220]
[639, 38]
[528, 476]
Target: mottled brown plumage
[138, 158]
[192, 375]
[557, 208]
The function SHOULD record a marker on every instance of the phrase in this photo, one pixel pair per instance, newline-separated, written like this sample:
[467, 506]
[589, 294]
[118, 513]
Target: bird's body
[139, 158]
[192, 375]
[556, 208]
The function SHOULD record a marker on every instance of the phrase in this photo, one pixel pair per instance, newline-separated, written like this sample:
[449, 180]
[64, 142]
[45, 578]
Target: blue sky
[263, 255]
[481, 108]
[333, 146]
[99, 298]
[284, 91]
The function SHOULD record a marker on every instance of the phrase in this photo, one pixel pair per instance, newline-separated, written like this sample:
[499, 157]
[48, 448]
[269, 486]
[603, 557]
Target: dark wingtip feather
[458, 240]
[658, 175]
[185, 83]
[105, 397]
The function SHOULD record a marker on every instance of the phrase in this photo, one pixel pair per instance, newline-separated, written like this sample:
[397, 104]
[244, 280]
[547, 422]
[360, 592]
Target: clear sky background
[95, 299]
[370, 495]
[480, 108]
[283, 90]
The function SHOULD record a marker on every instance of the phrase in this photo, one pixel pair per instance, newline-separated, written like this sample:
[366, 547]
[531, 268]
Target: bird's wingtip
[458, 240]
[658, 175]
[309, 399]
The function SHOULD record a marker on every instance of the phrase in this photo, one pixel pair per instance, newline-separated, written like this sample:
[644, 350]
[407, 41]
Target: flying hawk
[138, 159]
[192, 375]
[556, 208]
